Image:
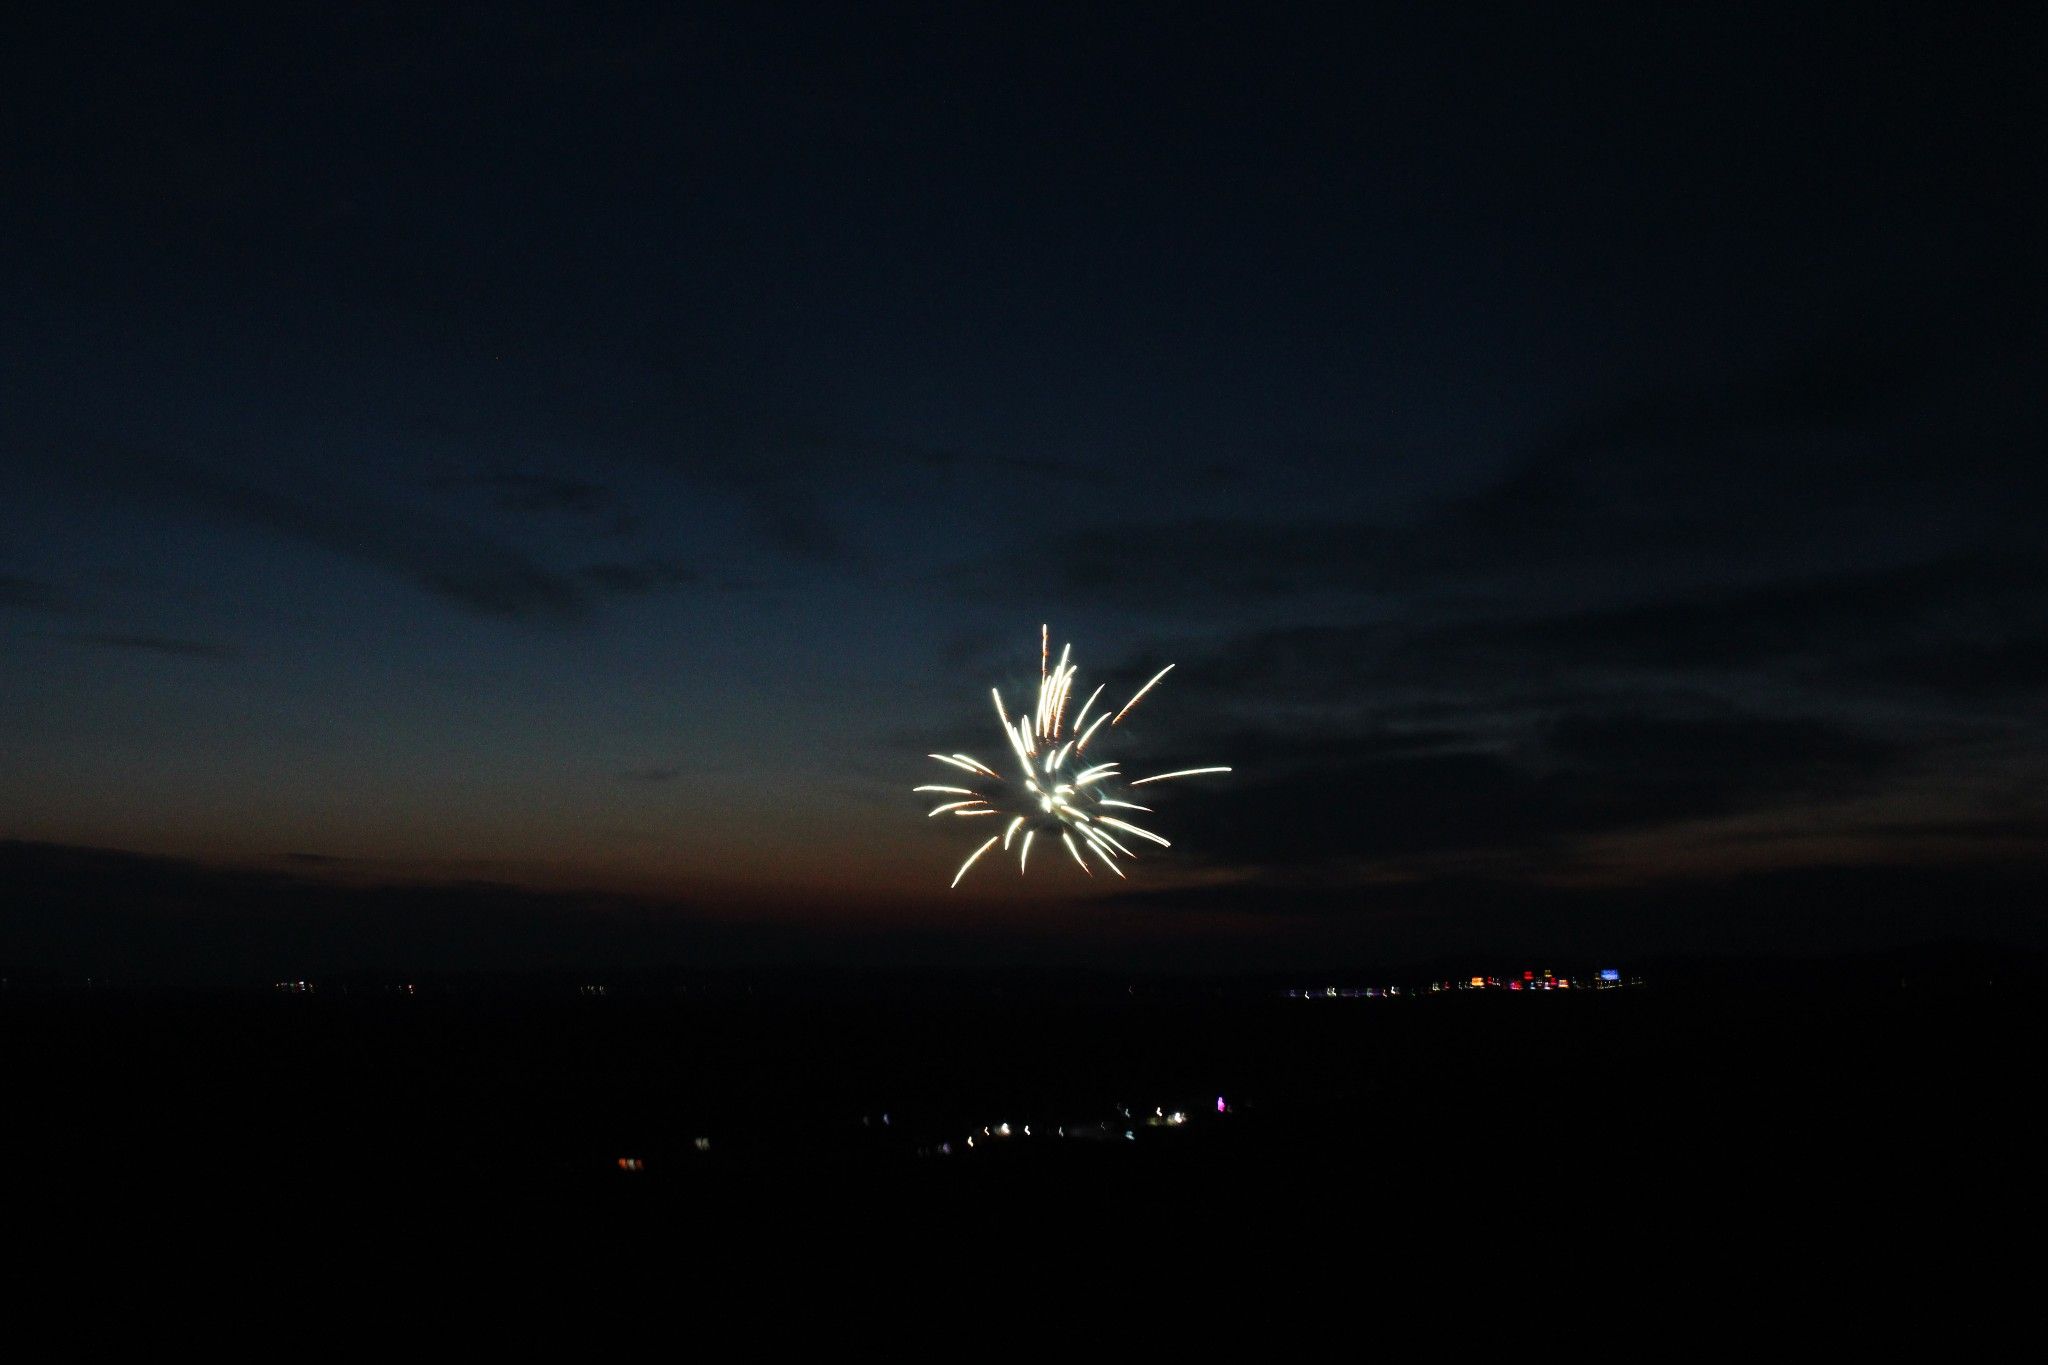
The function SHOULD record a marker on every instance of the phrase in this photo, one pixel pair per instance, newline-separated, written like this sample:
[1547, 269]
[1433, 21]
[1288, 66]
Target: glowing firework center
[1055, 791]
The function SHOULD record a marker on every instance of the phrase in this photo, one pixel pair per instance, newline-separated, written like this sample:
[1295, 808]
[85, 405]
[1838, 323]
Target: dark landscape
[1886, 1082]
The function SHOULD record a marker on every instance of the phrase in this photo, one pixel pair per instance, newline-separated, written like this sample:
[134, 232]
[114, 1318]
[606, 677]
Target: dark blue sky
[1582, 461]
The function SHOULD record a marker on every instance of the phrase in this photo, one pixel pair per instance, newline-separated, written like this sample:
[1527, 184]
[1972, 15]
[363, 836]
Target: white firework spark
[1045, 794]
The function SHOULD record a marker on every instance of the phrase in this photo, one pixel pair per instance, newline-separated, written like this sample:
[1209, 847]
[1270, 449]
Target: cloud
[1301, 800]
[1945, 627]
[651, 774]
[1793, 910]
[734, 428]
[1906, 441]
[1042, 466]
[636, 578]
[1179, 566]
[29, 594]
[1835, 620]
[1978, 669]
[1458, 740]
[451, 562]
[105, 911]
[1988, 829]
[1960, 626]
[154, 644]
[1922, 427]
[796, 519]
[539, 492]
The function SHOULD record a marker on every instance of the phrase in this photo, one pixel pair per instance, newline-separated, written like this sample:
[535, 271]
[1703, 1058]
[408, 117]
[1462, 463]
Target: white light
[1140, 693]
[1184, 772]
[971, 857]
[1063, 807]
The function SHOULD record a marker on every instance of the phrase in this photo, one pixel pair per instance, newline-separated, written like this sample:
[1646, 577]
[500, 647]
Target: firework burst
[1053, 791]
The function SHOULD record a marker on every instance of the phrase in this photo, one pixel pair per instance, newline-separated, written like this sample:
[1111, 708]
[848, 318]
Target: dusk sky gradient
[525, 483]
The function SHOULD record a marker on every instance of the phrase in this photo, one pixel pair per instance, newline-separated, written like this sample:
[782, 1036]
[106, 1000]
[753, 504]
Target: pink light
[1219, 1104]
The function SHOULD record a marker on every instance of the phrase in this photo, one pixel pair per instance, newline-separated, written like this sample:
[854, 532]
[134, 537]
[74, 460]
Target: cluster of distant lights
[1608, 979]
[1124, 1126]
[639, 1163]
[308, 988]
[1057, 795]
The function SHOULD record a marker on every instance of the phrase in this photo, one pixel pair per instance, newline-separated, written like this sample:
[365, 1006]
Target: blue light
[1610, 974]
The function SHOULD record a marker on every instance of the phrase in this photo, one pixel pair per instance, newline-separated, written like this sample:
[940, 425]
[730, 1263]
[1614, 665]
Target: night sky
[517, 485]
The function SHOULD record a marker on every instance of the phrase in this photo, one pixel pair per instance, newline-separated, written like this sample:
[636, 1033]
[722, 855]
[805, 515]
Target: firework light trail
[1051, 790]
